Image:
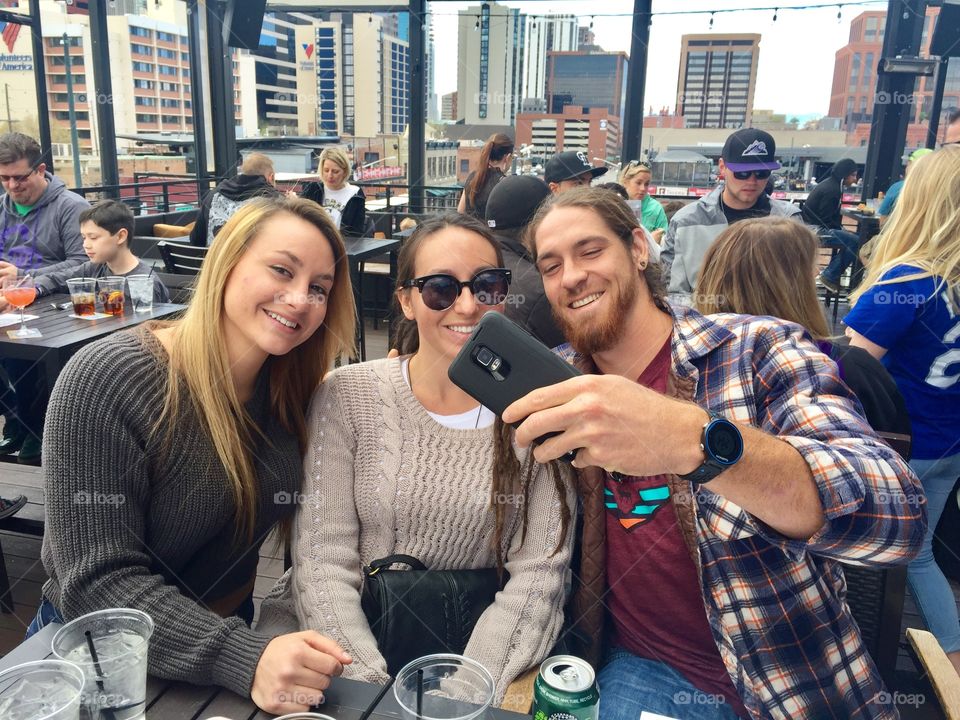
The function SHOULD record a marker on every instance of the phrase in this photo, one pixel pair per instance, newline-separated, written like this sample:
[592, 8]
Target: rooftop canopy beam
[632, 129]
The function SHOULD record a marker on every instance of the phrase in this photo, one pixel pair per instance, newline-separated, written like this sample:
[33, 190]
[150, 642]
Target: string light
[711, 21]
[839, 13]
[775, 14]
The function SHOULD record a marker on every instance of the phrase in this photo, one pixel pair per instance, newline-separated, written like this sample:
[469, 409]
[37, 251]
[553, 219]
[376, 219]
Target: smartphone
[502, 362]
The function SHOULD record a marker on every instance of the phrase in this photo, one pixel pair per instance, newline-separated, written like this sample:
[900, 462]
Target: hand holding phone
[502, 362]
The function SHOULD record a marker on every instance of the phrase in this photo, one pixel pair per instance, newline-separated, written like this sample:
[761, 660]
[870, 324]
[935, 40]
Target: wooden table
[360, 250]
[345, 699]
[63, 335]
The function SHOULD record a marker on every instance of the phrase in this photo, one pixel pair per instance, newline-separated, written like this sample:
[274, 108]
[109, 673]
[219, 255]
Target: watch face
[725, 442]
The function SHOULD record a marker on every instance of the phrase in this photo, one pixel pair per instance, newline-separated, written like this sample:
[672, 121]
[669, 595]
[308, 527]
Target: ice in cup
[111, 294]
[110, 647]
[443, 687]
[42, 690]
[141, 292]
[82, 295]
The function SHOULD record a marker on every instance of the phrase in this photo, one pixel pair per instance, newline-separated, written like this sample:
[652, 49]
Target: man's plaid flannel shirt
[777, 606]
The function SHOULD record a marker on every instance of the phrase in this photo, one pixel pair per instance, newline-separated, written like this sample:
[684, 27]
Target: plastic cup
[83, 296]
[453, 688]
[116, 679]
[42, 690]
[111, 294]
[141, 292]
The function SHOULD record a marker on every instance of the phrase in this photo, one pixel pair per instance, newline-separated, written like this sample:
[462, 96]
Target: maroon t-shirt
[654, 599]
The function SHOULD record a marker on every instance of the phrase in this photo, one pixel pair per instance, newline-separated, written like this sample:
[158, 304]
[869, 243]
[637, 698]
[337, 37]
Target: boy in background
[106, 229]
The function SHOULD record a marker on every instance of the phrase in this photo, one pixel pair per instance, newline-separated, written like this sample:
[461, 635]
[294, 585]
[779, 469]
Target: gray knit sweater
[383, 477]
[130, 525]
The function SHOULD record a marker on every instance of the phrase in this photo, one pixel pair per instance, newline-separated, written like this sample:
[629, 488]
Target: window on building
[141, 49]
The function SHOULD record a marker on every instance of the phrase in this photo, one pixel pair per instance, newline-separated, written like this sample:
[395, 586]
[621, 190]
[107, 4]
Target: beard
[602, 333]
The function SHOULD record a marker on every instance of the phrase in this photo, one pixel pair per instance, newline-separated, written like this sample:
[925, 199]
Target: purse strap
[377, 565]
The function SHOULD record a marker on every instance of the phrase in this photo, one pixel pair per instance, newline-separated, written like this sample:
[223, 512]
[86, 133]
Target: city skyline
[791, 79]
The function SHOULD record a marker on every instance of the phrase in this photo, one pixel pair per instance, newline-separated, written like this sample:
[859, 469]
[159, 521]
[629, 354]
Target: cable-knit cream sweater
[383, 477]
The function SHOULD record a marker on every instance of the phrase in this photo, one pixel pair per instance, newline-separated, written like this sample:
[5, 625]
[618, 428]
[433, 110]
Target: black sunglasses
[745, 174]
[440, 292]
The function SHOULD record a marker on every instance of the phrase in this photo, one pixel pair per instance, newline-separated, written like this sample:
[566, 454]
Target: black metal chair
[180, 258]
[876, 596]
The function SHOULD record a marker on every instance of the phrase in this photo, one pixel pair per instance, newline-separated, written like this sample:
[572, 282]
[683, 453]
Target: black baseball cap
[568, 165]
[514, 200]
[750, 149]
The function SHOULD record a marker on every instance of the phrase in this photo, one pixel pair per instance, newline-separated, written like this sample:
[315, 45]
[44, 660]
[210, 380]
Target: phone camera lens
[485, 356]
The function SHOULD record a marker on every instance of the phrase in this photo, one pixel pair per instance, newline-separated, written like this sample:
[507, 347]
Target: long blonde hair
[763, 266]
[924, 230]
[199, 355]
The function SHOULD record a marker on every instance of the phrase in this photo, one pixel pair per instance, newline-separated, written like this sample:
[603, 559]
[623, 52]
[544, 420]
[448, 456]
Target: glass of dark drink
[83, 297]
[111, 295]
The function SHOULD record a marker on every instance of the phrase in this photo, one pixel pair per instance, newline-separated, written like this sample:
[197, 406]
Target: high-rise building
[448, 106]
[490, 68]
[717, 80]
[277, 93]
[588, 80]
[855, 80]
[357, 74]
[553, 32]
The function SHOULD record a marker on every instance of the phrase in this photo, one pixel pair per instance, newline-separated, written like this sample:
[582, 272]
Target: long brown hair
[763, 266]
[509, 478]
[616, 215]
[495, 149]
[199, 359]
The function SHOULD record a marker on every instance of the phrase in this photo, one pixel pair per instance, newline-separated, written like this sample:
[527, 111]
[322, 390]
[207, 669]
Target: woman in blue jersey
[907, 313]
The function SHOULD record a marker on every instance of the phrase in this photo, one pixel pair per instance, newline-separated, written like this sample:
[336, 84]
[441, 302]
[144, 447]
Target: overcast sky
[796, 52]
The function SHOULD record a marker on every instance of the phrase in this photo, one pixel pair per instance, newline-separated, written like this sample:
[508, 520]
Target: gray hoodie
[48, 236]
[692, 231]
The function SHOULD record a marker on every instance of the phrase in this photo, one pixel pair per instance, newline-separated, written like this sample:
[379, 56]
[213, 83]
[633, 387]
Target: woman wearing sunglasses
[401, 461]
[636, 177]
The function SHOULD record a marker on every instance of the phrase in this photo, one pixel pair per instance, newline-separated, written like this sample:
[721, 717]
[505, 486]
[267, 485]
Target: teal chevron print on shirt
[633, 514]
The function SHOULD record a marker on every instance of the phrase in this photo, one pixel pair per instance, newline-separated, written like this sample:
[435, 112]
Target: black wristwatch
[722, 446]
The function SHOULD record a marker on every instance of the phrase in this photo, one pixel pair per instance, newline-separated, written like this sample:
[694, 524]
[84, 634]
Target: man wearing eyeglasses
[39, 228]
[746, 163]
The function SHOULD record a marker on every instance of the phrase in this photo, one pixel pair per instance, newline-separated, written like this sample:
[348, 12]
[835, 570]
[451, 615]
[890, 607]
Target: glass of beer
[82, 296]
[111, 294]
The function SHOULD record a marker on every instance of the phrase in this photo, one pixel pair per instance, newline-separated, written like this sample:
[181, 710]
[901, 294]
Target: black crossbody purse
[420, 612]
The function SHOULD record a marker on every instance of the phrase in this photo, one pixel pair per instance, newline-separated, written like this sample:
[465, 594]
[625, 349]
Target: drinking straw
[96, 664]
[420, 693]
[376, 701]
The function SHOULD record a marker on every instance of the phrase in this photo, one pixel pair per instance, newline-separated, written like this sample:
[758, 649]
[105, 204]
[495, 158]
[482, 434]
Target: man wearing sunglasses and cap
[747, 160]
[568, 170]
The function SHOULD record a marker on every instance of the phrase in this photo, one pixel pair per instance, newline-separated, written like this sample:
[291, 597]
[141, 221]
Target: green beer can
[565, 689]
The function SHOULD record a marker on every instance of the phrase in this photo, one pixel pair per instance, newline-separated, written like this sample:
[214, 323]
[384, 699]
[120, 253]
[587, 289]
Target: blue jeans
[849, 244]
[631, 684]
[930, 588]
[46, 614]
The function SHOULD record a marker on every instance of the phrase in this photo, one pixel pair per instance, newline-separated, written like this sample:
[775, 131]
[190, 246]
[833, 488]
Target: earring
[643, 264]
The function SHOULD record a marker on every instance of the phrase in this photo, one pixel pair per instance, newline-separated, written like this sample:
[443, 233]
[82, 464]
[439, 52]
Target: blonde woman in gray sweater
[400, 460]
